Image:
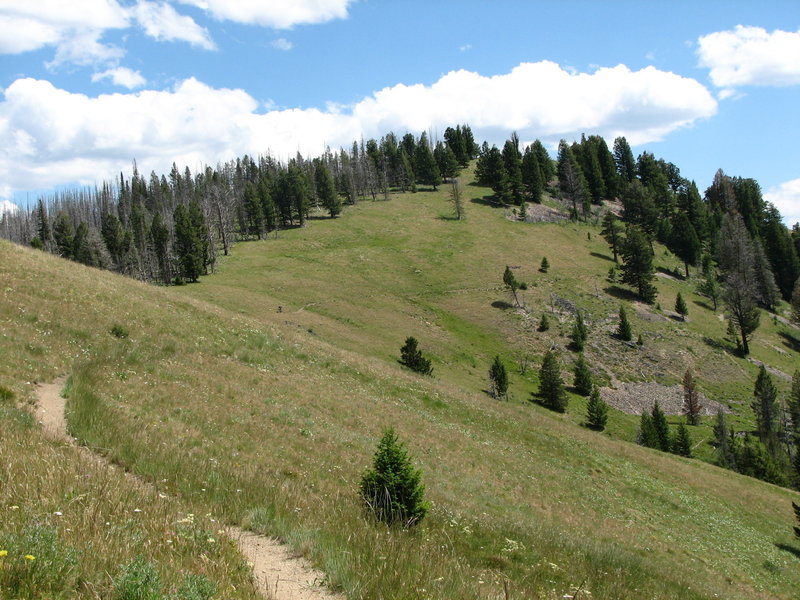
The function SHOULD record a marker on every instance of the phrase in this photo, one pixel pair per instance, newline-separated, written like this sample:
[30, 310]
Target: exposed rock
[634, 398]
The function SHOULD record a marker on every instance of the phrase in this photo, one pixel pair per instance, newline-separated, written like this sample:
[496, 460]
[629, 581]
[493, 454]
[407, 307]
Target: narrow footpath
[279, 575]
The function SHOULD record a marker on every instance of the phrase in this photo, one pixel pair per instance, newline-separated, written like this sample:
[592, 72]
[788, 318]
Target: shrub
[411, 357]
[392, 489]
[119, 331]
[596, 411]
[139, 580]
[6, 395]
[544, 324]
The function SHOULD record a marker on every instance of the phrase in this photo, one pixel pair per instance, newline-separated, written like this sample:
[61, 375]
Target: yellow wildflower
[3, 553]
[30, 557]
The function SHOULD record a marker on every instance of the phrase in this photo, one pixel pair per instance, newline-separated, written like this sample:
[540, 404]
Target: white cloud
[162, 22]
[7, 207]
[751, 56]
[282, 44]
[50, 136]
[122, 76]
[786, 197]
[465, 47]
[73, 27]
[274, 13]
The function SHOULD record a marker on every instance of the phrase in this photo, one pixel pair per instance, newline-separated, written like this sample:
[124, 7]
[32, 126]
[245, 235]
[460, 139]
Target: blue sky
[88, 86]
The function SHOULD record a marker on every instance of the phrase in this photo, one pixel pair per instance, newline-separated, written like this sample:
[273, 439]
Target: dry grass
[246, 414]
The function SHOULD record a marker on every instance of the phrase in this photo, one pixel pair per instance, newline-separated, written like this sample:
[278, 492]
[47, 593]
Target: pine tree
[425, 167]
[793, 405]
[680, 306]
[392, 489]
[583, 376]
[691, 399]
[682, 443]
[412, 357]
[796, 301]
[684, 241]
[796, 509]
[572, 182]
[545, 265]
[660, 427]
[512, 160]
[579, 333]
[544, 323]
[63, 234]
[326, 190]
[498, 379]
[596, 411]
[623, 157]
[624, 329]
[647, 437]
[709, 287]
[637, 264]
[551, 387]
[532, 177]
[511, 283]
[765, 407]
[726, 455]
[612, 233]
[187, 245]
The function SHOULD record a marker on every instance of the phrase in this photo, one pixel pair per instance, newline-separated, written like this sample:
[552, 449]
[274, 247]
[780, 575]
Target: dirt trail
[279, 575]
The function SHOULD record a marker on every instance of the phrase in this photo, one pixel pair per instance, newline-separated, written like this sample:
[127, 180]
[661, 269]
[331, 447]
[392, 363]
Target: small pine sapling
[691, 399]
[551, 387]
[596, 411]
[498, 379]
[511, 283]
[680, 306]
[392, 489]
[579, 333]
[583, 376]
[682, 443]
[544, 323]
[545, 266]
[624, 330]
[411, 357]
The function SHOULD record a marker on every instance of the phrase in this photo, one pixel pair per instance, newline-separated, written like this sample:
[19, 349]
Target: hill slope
[268, 419]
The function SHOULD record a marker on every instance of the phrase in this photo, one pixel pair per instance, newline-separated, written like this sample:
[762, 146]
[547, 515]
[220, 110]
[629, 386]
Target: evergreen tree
[660, 427]
[709, 287]
[63, 234]
[623, 157]
[583, 376]
[766, 289]
[680, 306]
[796, 301]
[726, 455]
[682, 444]
[491, 171]
[446, 161]
[425, 167]
[545, 265]
[572, 182]
[532, 178]
[765, 407]
[544, 323]
[159, 233]
[43, 226]
[796, 509]
[498, 379]
[624, 329]
[684, 241]
[691, 399]
[512, 161]
[392, 489]
[793, 406]
[612, 233]
[647, 437]
[551, 387]
[637, 264]
[596, 411]
[456, 197]
[412, 357]
[579, 333]
[511, 283]
[736, 259]
[187, 245]
[326, 190]
[755, 460]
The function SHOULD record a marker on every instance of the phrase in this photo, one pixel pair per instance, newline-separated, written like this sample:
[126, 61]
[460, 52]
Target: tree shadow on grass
[724, 347]
[790, 341]
[621, 293]
[789, 549]
[502, 304]
[671, 273]
[486, 201]
[705, 305]
[603, 256]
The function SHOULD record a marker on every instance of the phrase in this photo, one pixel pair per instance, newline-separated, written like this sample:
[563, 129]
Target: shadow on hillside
[670, 273]
[789, 549]
[790, 341]
[603, 256]
[448, 218]
[723, 346]
[502, 304]
[486, 201]
[621, 293]
[705, 305]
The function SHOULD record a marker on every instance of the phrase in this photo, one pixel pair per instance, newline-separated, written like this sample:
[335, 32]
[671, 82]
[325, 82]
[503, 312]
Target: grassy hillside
[268, 418]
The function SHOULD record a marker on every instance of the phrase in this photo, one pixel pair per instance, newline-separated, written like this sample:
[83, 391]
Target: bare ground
[635, 398]
[278, 573]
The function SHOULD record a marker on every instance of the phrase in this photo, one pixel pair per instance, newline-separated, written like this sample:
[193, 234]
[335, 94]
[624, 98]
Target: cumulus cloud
[282, 44]
[162, 22]
[786, 197]
[274, 13]
[50, 136]
[751, 56]
[7, 207]
[122, 76]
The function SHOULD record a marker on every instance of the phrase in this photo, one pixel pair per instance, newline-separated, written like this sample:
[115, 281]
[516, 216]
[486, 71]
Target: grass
[267, 419]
